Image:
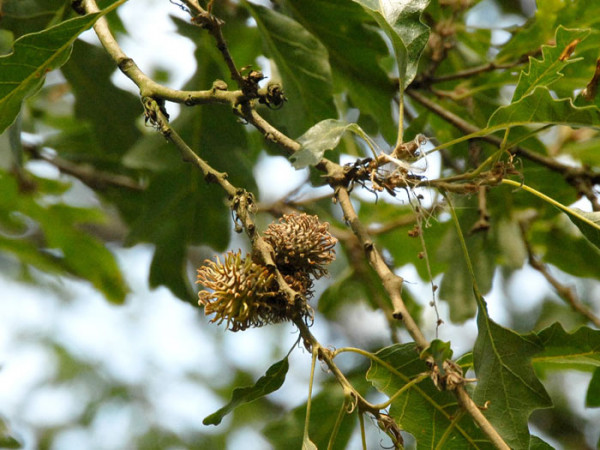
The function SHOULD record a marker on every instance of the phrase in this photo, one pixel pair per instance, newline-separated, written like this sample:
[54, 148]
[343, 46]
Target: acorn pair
[246, 294]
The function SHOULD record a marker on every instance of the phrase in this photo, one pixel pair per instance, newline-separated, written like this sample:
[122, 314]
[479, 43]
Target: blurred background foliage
[95, 205]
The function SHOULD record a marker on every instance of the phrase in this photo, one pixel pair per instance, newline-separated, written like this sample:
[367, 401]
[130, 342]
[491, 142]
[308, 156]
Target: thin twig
[567, 293]
[242, 202]
[214, 26]
[148, 87]
[467, 73]
[87, 174]
[483, 223]
[391, 282]
[581, 178]
[469, 405]
[325, 355]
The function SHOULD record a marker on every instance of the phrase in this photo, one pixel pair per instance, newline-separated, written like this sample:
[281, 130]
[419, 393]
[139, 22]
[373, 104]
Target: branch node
[250, 81]
[210, 178]
[207, 21]
[78, 7]
[219, 85]
[124, 64]
[272, 96]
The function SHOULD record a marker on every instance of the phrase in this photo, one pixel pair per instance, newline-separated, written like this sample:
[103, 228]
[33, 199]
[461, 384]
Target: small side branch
[148, 87]
[582, 179]
[325, 355]
[567, 293]
[391, 282]
[214, 26]
[96, 179]
[242, 202]
[468, 73]
[469, 405]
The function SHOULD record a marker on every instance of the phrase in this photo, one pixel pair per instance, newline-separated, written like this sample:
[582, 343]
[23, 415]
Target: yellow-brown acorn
[301, 244]
[244, 294]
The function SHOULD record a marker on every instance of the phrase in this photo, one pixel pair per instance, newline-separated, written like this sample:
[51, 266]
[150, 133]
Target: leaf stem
[400, 139]
[388, 367]
[363, 436]
[463, 244]
[505, 139]
[553, 202]
[461, 394]
[368, 355]
[404, 388]
[338, 422]
[315, 352]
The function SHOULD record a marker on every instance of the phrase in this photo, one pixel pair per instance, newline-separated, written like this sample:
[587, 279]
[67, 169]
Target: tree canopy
[451, 162]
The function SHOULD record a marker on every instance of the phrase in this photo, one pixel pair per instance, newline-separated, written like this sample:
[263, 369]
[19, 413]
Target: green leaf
[536, 32]
[547, 70]
[577, 350]
[169, 268]
[456, 287]
[588, 223]
[6, 42]
[512, 252]
[28, 16]
[319, 138]
[433, 417]
[592, 398]
[586, 151]
[563, 246]
[66, 249]
[179, 209]
[541, 107]
[84, 255]
[88, 71]
[303, 64]
[552, 312]
[15, 142]
[502, 362]
[401, 21]
[23, 71]
[268, 383]
[354, 53]
[535, 443]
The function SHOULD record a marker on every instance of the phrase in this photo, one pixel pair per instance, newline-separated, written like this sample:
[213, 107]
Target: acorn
[301, 244]
[243, 294]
